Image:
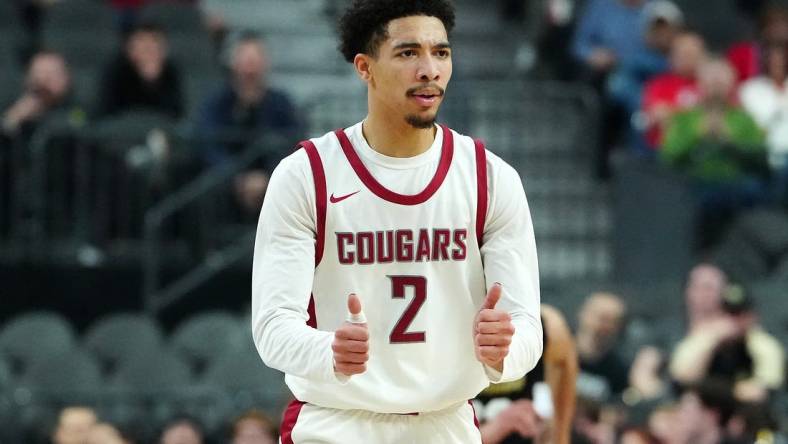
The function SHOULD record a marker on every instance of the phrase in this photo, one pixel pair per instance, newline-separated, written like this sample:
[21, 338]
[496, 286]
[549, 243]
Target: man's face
[147, 51]
[408, 77]
[687, 54]
[693, 418]
[250, 431]
[717, 81]
[74, 425]
[704, 289]
[181, 434]
[249, 62]
[602, 317]
[48, 78]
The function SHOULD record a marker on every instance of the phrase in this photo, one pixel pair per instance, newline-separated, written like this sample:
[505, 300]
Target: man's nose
[429, 69]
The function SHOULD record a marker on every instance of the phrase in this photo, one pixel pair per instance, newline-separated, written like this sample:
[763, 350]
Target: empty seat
[84, 51]
[307, 88]
[175, 17]
[31, 337]
[205, 336]
[247, 379]
[71, 376]
[193, 54]
[119, 337]
[296, 52]
[151, 372]
[271, 15]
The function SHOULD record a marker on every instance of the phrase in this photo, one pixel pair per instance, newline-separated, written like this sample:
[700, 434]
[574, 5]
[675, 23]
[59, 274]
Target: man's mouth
[426, 97]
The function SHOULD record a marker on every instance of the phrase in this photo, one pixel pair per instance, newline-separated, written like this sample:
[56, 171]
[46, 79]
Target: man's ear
[363, 65]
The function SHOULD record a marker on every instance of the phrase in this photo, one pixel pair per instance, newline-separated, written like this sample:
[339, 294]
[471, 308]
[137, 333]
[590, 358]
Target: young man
[418, 224]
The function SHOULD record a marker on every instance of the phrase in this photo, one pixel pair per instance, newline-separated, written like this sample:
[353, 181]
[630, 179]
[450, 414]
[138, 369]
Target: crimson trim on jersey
[319, 176]
[320, 197]
[289, 421]
[481, 190]
[447, 152]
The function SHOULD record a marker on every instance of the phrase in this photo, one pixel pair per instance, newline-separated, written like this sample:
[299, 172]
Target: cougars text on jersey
[424, 245]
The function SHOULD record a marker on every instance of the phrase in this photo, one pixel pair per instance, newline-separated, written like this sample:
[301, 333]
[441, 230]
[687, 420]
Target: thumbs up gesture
[492, 331]
[351, 341]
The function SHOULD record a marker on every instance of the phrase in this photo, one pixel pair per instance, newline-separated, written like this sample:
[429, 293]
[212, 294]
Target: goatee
[420, 122]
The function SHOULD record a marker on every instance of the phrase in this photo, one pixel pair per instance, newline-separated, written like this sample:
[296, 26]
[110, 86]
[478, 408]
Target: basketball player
[539, 407]
[419, 226]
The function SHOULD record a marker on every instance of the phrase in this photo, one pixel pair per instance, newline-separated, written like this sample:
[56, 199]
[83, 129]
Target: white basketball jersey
[415, 263]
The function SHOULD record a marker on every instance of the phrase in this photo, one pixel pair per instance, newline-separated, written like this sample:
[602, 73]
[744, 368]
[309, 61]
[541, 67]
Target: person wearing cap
[663, 21]
[733, 347]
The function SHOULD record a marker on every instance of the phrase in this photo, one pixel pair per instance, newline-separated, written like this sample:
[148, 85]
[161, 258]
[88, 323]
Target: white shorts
[310, 424]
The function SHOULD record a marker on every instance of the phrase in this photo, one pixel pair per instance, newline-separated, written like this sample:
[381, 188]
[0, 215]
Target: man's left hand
[492, 331]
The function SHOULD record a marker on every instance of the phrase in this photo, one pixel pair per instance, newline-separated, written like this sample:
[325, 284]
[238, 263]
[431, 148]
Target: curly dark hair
[364, 25]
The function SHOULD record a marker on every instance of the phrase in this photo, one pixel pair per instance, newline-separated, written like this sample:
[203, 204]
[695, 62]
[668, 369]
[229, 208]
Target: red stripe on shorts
[289, 421]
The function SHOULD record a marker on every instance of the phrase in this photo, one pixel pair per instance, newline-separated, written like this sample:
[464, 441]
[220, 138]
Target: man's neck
[588, 347]
[396, 137]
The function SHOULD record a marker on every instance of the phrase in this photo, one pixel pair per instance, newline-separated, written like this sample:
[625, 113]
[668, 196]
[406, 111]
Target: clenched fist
[351, 341]
[492, 331]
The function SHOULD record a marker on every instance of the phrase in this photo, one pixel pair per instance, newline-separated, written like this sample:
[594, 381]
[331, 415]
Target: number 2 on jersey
[400, 334]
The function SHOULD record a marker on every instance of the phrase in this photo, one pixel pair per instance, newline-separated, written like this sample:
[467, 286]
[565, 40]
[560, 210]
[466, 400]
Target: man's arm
[509, 257]
[282, 275]
[693, 355]
[561, 367]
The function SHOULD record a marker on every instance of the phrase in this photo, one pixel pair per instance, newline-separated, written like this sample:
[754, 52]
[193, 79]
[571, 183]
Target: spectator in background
[649, 380]
[143, 77]
[74, 425]
[243, 110]
[609, 32]
[765, 98]
[514, 411]
[703, 294]
[182, 430]
[703, 414]
[663, 23]
[46, 97]
[673, 91]
[253, 427]
[733, 349]
[47, 91]
[603, 371]
[662, 424]
[718, 146]
[746, 57]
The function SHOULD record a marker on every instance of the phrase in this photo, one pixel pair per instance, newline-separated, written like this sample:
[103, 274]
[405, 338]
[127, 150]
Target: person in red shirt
[675, 90]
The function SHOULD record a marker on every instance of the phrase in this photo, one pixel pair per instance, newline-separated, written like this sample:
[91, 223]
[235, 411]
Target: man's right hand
[351, 341]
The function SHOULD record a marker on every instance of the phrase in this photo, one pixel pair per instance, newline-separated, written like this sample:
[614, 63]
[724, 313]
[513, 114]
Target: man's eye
[408, 53]
[444, 53]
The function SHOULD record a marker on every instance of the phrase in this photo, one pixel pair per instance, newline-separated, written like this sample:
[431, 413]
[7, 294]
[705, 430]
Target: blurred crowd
[715, 117]
[712, 376]
[144, 79]
[81, 425]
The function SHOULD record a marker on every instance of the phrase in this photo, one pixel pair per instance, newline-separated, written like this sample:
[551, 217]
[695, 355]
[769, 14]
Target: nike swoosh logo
[340, 198]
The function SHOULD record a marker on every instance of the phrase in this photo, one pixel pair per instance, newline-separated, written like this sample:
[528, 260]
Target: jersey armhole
[319, 175]
[481, 190]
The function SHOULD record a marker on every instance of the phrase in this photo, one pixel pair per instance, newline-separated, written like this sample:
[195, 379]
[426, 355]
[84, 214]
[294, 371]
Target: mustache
[412, 91]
